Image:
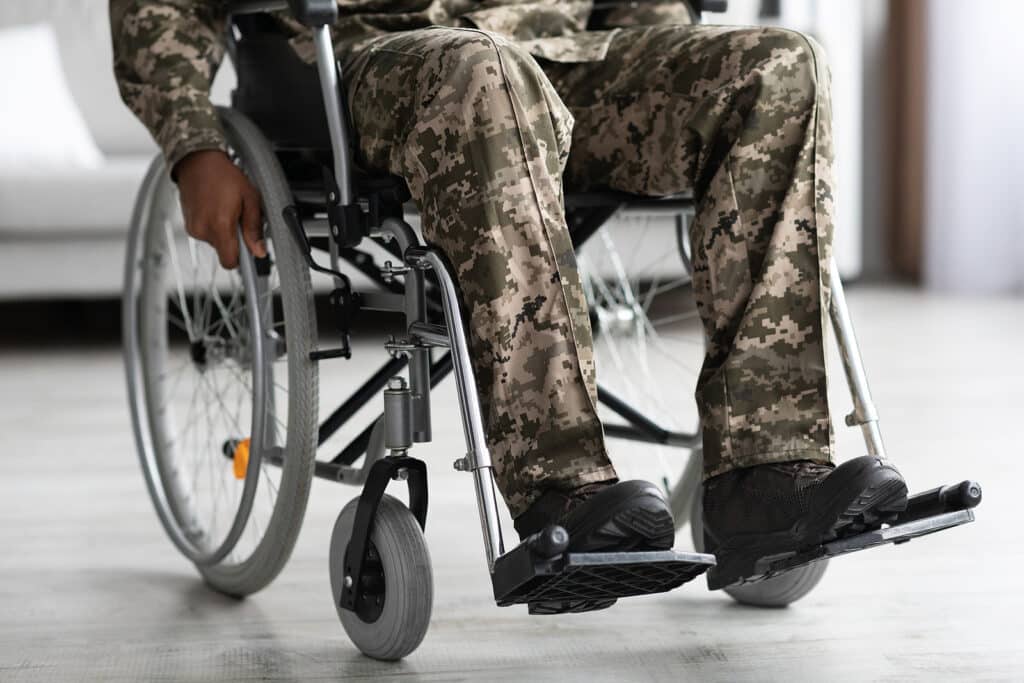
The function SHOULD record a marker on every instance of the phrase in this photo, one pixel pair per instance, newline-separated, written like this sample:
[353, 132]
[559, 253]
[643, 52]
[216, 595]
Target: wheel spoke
[248, 386]
[225, 315]
[179, 284]
[195, 395]
[669, 319]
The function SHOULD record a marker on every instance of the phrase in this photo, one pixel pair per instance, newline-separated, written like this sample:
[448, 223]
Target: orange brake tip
[241, 458]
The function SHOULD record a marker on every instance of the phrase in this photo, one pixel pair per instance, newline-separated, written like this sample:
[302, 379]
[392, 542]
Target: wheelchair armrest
[712, 5]
[311, 13]
[314, 13]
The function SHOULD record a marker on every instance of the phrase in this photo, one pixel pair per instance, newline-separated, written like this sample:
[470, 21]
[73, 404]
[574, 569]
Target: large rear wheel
[648, 337]
[223, 394]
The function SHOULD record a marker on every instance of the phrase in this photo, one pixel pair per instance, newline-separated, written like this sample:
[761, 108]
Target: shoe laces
[804, 470]
[582, 493]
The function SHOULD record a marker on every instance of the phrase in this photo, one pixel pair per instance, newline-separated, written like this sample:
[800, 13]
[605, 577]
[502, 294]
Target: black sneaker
[603, 517]
[779, 509]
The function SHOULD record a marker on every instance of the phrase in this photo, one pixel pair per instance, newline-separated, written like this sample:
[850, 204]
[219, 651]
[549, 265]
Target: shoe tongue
[581, 493]
[804, 469]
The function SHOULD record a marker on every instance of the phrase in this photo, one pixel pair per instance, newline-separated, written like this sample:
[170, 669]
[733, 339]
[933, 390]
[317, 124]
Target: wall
[974, 154]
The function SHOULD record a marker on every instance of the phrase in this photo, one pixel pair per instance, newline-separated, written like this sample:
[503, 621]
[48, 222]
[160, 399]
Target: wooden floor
[90, 588]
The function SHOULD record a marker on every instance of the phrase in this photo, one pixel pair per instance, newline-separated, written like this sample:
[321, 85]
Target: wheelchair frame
[518, 575]
[406, 418]
[589, 212]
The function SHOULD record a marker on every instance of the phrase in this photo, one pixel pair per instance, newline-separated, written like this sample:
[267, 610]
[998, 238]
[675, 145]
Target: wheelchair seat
[255, 332]
[269, 72]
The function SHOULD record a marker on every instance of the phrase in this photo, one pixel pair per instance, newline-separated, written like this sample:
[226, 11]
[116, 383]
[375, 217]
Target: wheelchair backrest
[276, 89]
[281, 93]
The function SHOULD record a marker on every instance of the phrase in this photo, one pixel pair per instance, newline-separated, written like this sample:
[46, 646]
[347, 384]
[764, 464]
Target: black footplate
[935, 510]
[539, 573]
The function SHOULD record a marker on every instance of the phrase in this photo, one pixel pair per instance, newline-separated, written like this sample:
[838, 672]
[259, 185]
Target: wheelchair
[223, 371]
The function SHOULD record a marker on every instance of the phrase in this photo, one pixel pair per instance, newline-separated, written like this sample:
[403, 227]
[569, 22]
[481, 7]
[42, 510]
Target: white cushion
[41, 127]
[68, 201]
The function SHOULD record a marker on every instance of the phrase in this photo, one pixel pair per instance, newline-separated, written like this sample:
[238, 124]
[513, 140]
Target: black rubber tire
[408, 581]
[262, 166]
[279, 535]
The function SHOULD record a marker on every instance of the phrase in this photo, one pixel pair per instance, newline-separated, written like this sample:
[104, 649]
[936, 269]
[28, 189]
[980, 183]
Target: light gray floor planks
[90, 589]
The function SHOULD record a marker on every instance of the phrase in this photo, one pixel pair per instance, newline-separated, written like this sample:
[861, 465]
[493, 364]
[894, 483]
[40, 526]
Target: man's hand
[215, 197]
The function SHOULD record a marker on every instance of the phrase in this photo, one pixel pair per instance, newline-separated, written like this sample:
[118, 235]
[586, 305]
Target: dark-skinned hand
[216, 198]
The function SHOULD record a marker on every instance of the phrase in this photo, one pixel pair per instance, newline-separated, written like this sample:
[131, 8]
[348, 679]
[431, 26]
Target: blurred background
[927, 101]
[930, 238]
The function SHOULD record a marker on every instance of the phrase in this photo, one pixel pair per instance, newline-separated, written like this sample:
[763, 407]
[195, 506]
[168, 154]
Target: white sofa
[62, 229]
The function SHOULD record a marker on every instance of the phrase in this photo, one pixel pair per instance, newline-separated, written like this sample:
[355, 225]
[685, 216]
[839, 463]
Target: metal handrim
[153, 203]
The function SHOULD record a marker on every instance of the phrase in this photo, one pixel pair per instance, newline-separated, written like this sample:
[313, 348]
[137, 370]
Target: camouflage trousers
[484, 135]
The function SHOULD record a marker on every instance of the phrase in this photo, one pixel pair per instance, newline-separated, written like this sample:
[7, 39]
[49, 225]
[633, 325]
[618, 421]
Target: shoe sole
[879, 501]
[874, 507]
[569, 606]
[640, 519]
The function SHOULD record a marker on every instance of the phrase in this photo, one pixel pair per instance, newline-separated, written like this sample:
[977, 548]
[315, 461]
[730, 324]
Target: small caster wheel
[398, 585]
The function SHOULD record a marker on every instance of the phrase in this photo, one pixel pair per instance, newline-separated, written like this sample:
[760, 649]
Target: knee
[483, 71]
[471, 65]
[790, 64]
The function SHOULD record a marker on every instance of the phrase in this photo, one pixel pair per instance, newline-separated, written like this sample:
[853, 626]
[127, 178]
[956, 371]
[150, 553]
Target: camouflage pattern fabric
[481, 126]
[167, 51]
[473, 125]
[648, 13]
[742, 118]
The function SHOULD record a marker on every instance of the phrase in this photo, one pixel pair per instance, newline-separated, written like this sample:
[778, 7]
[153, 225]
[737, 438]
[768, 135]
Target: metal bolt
[402, 474]
[851, 420]
[461, 465]
[348, 582]
[396, 383]
[330, 196]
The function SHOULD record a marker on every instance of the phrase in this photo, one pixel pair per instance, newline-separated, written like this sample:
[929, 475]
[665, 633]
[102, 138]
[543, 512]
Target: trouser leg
[481, 138]
[742, 118]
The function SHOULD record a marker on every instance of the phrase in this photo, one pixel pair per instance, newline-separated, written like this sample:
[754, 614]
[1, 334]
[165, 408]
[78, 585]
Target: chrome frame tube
[478, 455]
[435, 335]
[419, 359]
[864, 414]
[402, 232]
[330, 78]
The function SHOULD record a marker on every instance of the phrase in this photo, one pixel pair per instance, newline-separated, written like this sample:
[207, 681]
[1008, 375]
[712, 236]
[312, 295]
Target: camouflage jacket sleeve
[166, 53]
